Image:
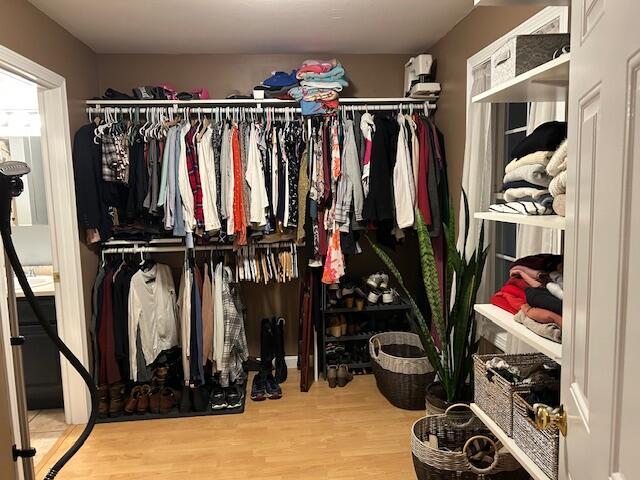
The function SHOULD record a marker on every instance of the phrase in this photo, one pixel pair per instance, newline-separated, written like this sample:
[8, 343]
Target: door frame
[65, 243]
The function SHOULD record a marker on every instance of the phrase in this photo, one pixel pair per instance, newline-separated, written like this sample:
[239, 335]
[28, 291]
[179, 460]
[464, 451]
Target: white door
[601, 352]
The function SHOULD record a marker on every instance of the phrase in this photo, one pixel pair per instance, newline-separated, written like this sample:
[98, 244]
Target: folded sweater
[511, 296]
[546, 262]
[336, 85]
[535, 158]
[534, 278]
[525, 193]
[559, 204]
[541, 315]
[542, 298]
[550, 331]
[521, 208]
[558, 185]
[535, 174]
[521, 184]
[558, 162]
[547, 136]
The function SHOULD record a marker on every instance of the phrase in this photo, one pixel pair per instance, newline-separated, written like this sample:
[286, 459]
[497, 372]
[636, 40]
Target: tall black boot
[267, 351]
[281, 364]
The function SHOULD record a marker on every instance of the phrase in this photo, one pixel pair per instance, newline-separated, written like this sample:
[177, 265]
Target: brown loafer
[168, 400]
[132, 403]
[143, 401]
[103, 400]
[154, 400]
[116, 399]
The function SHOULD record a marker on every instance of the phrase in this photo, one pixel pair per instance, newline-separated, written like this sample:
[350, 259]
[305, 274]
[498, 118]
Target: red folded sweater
[511, 297]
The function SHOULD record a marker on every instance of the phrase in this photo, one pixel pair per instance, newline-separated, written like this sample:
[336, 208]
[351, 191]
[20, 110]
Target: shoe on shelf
[348, 302]
[235, 395]
[274, 392]
[344, 375]
[374, 296]
[132, 403]
[168, 400]
[348, 289]
[332, 376]
[343, 325]
[334, 286]
[384, 280]
[103, 400]
[218, 399]
[389, 296]
[258, 389]
[155, 400]
[143, 400]
[334, 327]
[374, 280]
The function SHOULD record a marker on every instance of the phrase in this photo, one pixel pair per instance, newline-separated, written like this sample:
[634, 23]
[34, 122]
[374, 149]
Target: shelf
[515, 3]
[546, 83]
[252, 101]
[504, 320]
[369, 308]
[547, 221]
[510, 445]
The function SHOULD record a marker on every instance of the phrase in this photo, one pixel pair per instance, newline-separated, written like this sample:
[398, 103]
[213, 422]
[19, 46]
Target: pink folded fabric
[529, 275]
[541, 315]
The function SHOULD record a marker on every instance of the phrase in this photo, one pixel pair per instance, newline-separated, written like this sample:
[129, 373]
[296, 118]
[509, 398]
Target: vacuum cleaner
[11, 186]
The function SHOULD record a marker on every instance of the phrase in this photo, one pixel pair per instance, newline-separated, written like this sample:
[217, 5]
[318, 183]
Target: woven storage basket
[401, 368]
[494, 394]
[454, 430]
[541, 446]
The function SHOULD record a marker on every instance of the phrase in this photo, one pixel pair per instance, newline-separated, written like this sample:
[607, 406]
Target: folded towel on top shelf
[558, 162]
[535, 158]
[522, 208]
[535, 174]
[547, 136]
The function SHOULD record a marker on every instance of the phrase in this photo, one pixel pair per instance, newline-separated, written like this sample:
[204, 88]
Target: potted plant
[455, 326]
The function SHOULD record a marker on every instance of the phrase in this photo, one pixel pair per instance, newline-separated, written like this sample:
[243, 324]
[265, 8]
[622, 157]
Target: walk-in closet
[318, 240]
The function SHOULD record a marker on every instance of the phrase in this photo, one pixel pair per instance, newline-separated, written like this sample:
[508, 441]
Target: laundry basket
[401, 368]
[445, 446]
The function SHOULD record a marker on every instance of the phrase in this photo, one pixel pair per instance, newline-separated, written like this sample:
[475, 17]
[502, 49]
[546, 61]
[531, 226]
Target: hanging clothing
[235, 349]
[209, 188]
[403, 185]
[256, 180]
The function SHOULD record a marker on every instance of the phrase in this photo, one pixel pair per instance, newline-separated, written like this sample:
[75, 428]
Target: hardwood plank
[339, 434]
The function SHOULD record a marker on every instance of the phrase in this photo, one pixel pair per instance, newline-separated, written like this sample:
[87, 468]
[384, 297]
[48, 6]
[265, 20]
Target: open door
[602, 261]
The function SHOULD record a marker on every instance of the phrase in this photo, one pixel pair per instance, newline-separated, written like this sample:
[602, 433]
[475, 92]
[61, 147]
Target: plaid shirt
[194, 176]
[235, 349]
[115, 158]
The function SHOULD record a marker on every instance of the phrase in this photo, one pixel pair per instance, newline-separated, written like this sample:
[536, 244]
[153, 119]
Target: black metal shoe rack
[372, 312]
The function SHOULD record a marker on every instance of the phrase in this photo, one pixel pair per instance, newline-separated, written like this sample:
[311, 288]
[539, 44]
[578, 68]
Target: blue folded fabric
[281, 79]
[312, 108]
[331, 76]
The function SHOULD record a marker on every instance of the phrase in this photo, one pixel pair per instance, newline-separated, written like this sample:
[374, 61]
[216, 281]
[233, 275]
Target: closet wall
[474, 32]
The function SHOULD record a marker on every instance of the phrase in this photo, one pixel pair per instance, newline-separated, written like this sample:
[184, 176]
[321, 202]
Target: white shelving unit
[545, 221]
[509, 443]
[542, 3]
[504, 320]
[548, 82]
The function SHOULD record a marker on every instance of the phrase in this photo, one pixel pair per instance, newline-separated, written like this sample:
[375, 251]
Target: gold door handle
[548, 418]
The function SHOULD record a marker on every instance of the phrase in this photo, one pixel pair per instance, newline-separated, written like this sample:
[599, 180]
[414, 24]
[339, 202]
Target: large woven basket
[541, 446]
[401, 368]
[494, 394]
[455, 430]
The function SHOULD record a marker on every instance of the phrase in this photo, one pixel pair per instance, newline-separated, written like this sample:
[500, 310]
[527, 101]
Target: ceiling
[256, 26]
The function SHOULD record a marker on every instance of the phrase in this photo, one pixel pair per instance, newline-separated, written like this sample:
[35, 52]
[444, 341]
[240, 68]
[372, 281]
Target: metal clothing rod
[183, 248]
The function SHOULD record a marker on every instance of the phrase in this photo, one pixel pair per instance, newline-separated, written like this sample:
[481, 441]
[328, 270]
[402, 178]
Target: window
[511, 128]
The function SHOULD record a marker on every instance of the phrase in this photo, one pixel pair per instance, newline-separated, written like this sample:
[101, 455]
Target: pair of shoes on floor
[111, 400]
[339, 376]
[226, 397]
[265, 387]
[138, 401]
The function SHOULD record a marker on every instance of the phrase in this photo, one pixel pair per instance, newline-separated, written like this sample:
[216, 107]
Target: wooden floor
[338, 434]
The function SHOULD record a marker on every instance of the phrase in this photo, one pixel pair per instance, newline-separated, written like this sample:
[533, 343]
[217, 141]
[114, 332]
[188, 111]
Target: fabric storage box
[541, 446]
[523, 53]
[401, 368]
[494, 393]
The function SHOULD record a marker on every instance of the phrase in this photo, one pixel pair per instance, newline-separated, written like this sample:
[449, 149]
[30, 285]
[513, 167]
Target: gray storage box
[523, 53]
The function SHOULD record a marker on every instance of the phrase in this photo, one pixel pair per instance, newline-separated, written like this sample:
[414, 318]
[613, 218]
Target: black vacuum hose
[68, 354]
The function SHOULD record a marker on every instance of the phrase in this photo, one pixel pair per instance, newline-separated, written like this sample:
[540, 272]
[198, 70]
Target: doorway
[45, 233]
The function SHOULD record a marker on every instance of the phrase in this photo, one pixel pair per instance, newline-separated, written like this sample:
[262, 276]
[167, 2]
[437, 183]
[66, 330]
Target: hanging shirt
[403, 186]
[186, 192]
[193, 170]
[208, 178]
[235, 349]
[152, 312]
[168, 179]
[350, 184]
[256, 180]
[239, 220]
[184, 313]
[218, 318]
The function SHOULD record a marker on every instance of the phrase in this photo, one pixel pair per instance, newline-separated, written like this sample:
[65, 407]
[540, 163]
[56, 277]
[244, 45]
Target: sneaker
[384, 280]
[218, 399]
[235, 395]
[348, 289]
[389, 296]
[274, 392]
[258, 389]
[373, 297]
[374, 280]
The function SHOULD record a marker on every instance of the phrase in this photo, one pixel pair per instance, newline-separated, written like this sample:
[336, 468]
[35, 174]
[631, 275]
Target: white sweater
[152, 309]
[208, 180]
[403, 186]
[186, 194]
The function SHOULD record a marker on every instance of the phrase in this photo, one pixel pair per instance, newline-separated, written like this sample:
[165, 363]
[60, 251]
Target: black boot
[267, 349]
[281, 364]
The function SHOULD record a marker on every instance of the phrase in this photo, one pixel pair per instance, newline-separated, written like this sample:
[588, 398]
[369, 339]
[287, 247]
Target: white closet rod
[253, 101]
[182, 248]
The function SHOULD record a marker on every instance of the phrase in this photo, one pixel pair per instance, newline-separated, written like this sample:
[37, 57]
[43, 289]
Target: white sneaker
[384, 280]
[373, 296]
[389, 296]
[374, 280]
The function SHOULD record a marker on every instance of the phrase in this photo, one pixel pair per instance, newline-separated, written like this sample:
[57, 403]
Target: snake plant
[455, 325]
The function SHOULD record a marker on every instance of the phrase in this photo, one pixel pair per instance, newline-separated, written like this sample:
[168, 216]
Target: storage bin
[541, 446]
[494, 394]
[401, 368]
[523, 53]
[455, 430]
